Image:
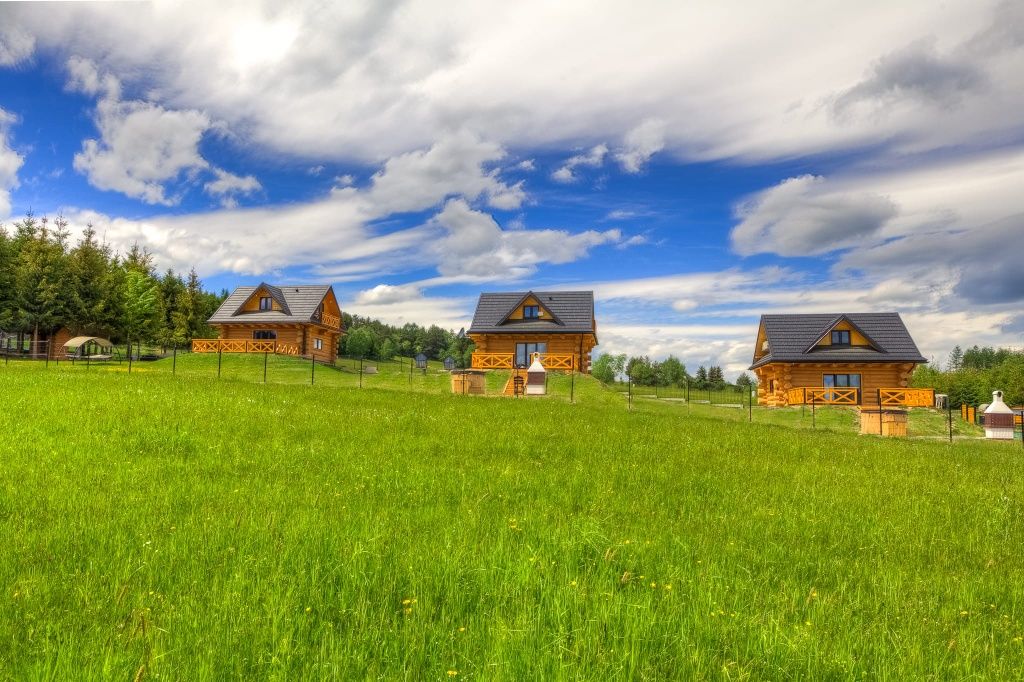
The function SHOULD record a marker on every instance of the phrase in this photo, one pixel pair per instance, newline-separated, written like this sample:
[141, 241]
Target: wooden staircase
[510, 384]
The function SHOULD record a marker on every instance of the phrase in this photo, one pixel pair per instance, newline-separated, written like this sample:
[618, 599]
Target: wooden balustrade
[907, 397]
[551, 361]
[243, 346]
[332, 321]
[823, 395]
[492, 361]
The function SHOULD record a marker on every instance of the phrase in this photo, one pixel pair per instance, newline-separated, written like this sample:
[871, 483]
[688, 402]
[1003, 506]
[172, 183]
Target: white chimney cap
[998, 406]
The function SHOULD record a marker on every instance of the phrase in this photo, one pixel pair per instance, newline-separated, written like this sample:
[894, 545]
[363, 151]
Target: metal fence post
[220, 352]
[750, 403]
[265, 354]
[312, 369]
[572, 383]
[629, 401]
[814, 424]
[174, 361]
[949, 409]
[47, 354]
[360, 371]
[879, 393]
[129, 356]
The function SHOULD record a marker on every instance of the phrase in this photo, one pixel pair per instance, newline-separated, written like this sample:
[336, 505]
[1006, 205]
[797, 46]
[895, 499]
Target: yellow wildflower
[453, 673]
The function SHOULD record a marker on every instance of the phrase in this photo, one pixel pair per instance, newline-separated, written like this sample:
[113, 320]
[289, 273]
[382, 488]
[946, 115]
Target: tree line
[46, 283]
[373, 339]
[971, 375]
[671, 371]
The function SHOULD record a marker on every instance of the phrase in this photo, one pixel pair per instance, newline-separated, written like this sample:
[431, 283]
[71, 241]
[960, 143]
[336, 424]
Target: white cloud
[369, 81]
[228, 185]
[384, 294]
[142, 146]
[801, 217]
[455, 165]
[641, 143]
[10, 162]
[594, 158]
[477, 247]
[16, 44]
[526, 165]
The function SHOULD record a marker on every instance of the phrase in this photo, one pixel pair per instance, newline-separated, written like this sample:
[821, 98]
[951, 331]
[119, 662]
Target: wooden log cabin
[288, 320]
[850, 357]
[509, 328]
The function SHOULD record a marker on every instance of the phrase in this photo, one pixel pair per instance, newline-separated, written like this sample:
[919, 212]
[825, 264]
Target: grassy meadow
[188, 528]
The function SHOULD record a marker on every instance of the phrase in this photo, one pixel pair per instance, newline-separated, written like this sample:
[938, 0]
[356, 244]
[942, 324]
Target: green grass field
[184, 527]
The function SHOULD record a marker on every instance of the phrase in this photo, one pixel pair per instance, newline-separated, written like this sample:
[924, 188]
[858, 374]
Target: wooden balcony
[551, 361]
[243, 346]
[907, 397]
[332, 321]
[823, 395]
[890, 397]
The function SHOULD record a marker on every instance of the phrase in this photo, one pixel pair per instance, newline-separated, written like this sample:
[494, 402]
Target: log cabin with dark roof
[509, 328]
[851, 354]
[301, 320]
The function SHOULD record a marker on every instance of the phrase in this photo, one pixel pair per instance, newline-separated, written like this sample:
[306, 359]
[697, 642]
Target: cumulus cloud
[454, 165]
[799, 217]
[640, 145]
[594, 158]
[384, 294]
[10, 162]
[476, 246]
[227, 186]
[142, 146]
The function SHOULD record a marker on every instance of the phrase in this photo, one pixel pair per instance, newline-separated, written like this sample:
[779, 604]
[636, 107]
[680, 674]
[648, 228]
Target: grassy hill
[191, 528]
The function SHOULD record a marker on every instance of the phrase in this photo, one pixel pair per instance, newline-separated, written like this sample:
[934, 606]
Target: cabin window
[264, 335]
[318, 344]
[266, 303]
[525, 351]
[841, 338]
[771, 385]
[531, 312]
[841, 380]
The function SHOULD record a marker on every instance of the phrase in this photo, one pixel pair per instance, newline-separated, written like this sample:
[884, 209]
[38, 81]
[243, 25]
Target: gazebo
[88, 347]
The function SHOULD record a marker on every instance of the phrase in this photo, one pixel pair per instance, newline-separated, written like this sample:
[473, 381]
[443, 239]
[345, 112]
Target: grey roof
[573, 311]
[299, 302]
[792, 338]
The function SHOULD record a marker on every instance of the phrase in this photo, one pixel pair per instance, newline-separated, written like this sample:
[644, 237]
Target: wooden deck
[243, 346]
[890, 397]
[551, 361]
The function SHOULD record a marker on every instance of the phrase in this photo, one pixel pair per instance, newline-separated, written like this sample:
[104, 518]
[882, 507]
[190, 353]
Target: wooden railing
[243, 346]
[823, 395]
[551, 361]
[492, 361]
[332, 321]
[907, 397]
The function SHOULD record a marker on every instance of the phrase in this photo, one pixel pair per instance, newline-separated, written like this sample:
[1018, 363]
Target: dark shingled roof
[574, 311]
[792, 338]
[299, 303]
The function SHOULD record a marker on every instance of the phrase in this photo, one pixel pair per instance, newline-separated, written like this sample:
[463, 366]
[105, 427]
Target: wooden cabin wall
[252, 304]
[299, 335]
[873, 376]
[558, 344]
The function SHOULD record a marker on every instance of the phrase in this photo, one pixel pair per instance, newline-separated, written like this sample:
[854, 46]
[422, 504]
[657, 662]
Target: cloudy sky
[695, 164]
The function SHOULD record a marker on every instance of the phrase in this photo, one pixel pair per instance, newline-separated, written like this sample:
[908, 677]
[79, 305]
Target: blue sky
[695, 165]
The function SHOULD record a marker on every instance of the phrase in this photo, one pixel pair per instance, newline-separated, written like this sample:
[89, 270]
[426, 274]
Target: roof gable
[837, 322]
[570, 312]
[795, 338]
[298, 303]
[272, 291]
[529, 296]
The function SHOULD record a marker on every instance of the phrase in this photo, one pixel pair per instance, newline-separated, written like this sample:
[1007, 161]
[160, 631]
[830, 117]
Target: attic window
[840, 338]
[266, 303]
[531, 312]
